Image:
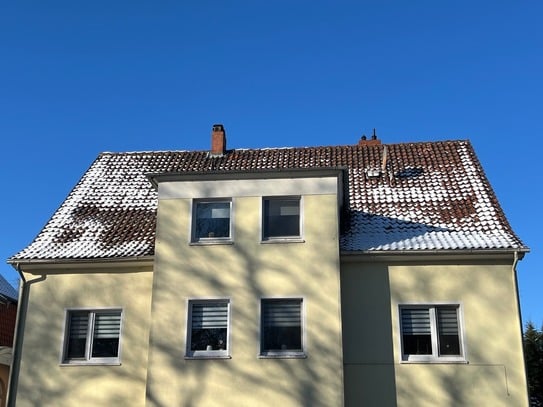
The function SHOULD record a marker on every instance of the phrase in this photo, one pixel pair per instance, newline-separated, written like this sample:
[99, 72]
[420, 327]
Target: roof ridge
[334, 146]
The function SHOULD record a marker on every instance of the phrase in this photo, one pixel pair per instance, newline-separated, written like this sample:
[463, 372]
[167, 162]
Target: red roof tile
[431, 196]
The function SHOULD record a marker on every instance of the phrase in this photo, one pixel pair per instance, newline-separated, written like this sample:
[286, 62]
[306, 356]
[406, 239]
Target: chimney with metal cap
[218, 140]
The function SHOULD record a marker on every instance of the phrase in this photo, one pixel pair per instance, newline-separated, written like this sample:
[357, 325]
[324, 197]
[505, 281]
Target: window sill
[211, 242]
[283, 356]
[274, 240]
[87, 363]
[203, 357]
[435, 361]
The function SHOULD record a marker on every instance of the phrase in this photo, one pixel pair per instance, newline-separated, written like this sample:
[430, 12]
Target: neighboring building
[359, 275]
[8, 315]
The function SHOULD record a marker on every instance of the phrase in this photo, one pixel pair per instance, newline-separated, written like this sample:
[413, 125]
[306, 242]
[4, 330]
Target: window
[92, 336]
[281, 328]
[431, 333]
[211, 220]
[281, 218]
[208, 328]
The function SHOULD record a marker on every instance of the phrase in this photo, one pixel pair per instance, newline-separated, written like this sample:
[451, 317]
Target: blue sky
[79, 78]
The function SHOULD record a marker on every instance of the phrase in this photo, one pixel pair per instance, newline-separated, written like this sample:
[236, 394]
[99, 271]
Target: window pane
[107, 326]
[209, 322]
[449, 340]
[212, 220]
[281, 325]
[78, 326]
[282, 217]
[416, 331]
[417, 345]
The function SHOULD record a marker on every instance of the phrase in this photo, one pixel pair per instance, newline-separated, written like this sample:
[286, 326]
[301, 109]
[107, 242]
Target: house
[361, 275]
[8, 314]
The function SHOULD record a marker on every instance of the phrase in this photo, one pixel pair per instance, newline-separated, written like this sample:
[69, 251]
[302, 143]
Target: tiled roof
[431, 196]
[6, 290]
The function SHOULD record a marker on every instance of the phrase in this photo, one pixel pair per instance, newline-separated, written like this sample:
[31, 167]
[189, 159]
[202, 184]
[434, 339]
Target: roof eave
[136, 263]
[435, 254]
[156, 178]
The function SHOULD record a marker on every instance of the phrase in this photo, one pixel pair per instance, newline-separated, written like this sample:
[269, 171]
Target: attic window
[211, 220]
[409, 172]
[281, 218]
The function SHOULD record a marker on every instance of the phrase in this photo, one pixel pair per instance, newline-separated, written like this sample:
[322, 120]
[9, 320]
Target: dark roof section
[409, 196]
[7, 292]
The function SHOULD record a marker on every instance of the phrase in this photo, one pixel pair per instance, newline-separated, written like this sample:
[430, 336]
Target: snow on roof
[424, 196]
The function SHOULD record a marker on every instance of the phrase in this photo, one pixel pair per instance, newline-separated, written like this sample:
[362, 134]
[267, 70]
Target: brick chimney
[218, 140]
[373, 142]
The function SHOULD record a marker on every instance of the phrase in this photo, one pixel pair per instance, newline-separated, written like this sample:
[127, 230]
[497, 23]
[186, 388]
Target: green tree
[533, 353]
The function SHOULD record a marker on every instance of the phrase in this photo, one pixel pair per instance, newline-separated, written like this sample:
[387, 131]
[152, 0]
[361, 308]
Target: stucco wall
[42, 379]
[245, 272]
[493, 372]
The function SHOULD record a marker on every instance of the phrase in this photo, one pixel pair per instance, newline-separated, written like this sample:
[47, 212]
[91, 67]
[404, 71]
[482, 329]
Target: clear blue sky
[78, 78]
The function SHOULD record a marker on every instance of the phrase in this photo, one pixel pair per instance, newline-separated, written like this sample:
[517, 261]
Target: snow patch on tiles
[427, 241]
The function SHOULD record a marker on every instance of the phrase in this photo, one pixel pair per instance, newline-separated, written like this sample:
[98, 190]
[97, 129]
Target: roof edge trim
[156, 178]
[65, 264]
[414, 255]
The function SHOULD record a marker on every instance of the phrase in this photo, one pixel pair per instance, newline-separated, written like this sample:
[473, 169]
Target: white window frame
[207, 354]
[434, 357]
[288, 238]
[210, 240]
[288, 353]
[88, 359]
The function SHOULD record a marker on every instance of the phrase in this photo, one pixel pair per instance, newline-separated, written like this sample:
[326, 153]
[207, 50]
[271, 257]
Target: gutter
[399, 255]
[16, 262]
[515, 282]
[91, 263]
[17, 339]
[434, 251]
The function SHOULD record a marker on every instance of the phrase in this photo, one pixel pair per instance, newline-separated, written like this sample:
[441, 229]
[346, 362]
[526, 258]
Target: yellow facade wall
[43, 381]
[493, 372]
[244, 272]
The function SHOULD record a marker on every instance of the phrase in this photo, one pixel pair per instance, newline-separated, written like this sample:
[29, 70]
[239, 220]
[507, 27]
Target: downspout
[17, 340]
[515, 281]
